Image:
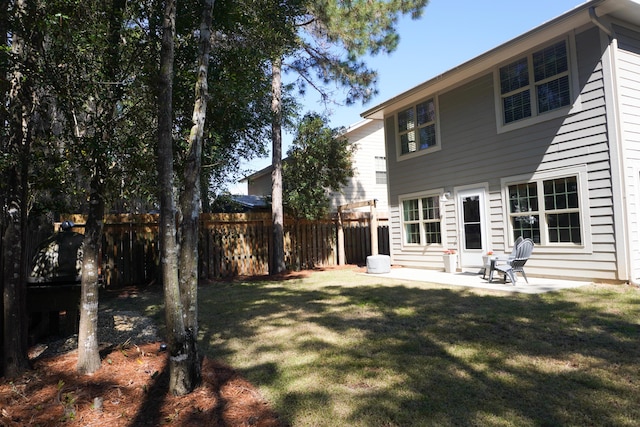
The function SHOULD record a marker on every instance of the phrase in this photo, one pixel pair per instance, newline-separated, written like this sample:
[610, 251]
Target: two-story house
[539, 137]
[370, 174]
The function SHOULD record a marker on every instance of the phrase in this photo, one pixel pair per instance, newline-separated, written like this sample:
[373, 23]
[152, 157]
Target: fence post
[341, 252]
[374, 229]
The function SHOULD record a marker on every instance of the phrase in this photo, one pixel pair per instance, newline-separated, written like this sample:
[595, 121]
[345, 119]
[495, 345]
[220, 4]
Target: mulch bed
[130, 389]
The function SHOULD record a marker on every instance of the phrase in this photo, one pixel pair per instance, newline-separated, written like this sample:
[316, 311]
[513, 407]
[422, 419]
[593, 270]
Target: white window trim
[399, 156]
[581, 174]
[383, 161]
[422, 246]
[550, 115]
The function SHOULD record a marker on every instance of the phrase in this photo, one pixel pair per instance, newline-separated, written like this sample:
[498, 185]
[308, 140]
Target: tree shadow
[537, 358]
[150, 412]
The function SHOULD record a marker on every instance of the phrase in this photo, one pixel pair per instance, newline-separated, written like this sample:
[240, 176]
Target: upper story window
[417, 128]
[535, 84]
[381, 170]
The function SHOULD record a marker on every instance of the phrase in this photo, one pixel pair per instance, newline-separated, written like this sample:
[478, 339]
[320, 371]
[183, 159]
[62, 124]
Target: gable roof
[585, 13]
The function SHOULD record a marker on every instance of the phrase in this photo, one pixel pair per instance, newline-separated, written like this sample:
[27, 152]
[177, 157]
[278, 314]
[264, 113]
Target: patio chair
[516, 265]
[501, 259]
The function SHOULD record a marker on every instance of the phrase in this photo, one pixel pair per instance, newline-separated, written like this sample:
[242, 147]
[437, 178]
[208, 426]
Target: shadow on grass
[426, 355]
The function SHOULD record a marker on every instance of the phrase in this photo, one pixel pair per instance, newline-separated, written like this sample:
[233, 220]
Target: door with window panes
[472, 226]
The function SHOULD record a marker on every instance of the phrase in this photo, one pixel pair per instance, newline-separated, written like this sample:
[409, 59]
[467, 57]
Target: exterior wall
[260, 185]
[368, 140]
[628, 73]
[473, 152]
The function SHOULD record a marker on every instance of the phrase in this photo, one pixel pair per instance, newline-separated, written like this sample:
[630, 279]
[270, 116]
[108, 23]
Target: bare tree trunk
[191, 203]
[15, 359]
[88, 351]
[4, 118]
[277, 264]
[177, 336]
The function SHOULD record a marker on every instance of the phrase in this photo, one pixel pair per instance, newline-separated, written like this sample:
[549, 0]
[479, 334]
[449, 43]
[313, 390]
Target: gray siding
[472, 151]
[628, 71]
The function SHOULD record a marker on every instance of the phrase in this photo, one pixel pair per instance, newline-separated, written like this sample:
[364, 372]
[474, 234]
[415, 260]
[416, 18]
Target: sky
[449, 33]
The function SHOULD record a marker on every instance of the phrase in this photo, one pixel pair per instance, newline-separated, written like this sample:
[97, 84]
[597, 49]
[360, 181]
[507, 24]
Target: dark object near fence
[53, 285]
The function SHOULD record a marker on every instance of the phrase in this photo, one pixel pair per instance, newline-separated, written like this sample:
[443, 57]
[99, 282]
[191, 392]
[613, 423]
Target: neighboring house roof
[250, 201]
[257, 174]
[590, 11]
[239, 203]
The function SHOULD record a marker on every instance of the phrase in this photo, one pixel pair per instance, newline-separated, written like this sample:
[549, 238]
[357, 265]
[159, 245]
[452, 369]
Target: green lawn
[341, 348]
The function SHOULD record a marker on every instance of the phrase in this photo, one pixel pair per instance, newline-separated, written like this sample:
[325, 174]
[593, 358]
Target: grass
[340, 348]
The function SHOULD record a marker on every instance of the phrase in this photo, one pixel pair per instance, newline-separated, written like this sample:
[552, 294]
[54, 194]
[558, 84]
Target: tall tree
[167, 225]
[88, 351]
[92, 58]
[184, 368]
[277, 212]
[333, 38]
[308, 176]
[15, 168]
[191, 208]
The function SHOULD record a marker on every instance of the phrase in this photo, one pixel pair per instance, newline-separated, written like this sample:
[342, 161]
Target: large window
[535, 84]
[417, 127]
[421, 220]
[547, 211]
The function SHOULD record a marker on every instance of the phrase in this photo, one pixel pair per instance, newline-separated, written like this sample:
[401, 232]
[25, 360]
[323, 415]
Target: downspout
[596, 20]
[613, 46]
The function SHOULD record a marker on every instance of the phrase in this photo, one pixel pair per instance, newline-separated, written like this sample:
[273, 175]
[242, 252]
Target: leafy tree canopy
[319, 161]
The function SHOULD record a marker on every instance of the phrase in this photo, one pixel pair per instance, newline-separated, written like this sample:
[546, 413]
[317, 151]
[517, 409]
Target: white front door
[472, 223]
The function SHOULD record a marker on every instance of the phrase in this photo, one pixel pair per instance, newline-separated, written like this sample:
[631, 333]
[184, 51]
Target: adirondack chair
[516, 265]
[501, 259]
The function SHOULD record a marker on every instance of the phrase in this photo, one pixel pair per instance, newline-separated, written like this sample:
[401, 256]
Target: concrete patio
[471, 279]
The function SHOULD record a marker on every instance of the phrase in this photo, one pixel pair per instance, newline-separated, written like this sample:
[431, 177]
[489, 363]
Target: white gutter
[596, 20]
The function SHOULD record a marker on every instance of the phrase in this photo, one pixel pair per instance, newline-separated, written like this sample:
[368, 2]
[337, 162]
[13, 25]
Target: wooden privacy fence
[231, 245]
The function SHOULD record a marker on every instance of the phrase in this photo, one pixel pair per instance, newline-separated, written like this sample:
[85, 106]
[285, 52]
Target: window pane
[517, 106]
[427, 136]
[410, 209]
[426, 112]
[405, 120]
[430, 208]
[561, 193]
[514, 76]
[471, 208]
[412, 233]
[564, 228]
[408, 142]
[472, 236]
[432, 232]
[553, 94]
[523, 198]
[550, 61]
[527, 226]
[381, 170]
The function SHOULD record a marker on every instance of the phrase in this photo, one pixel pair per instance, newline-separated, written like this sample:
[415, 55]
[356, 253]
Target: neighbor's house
[539, 137]
[370, 171]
